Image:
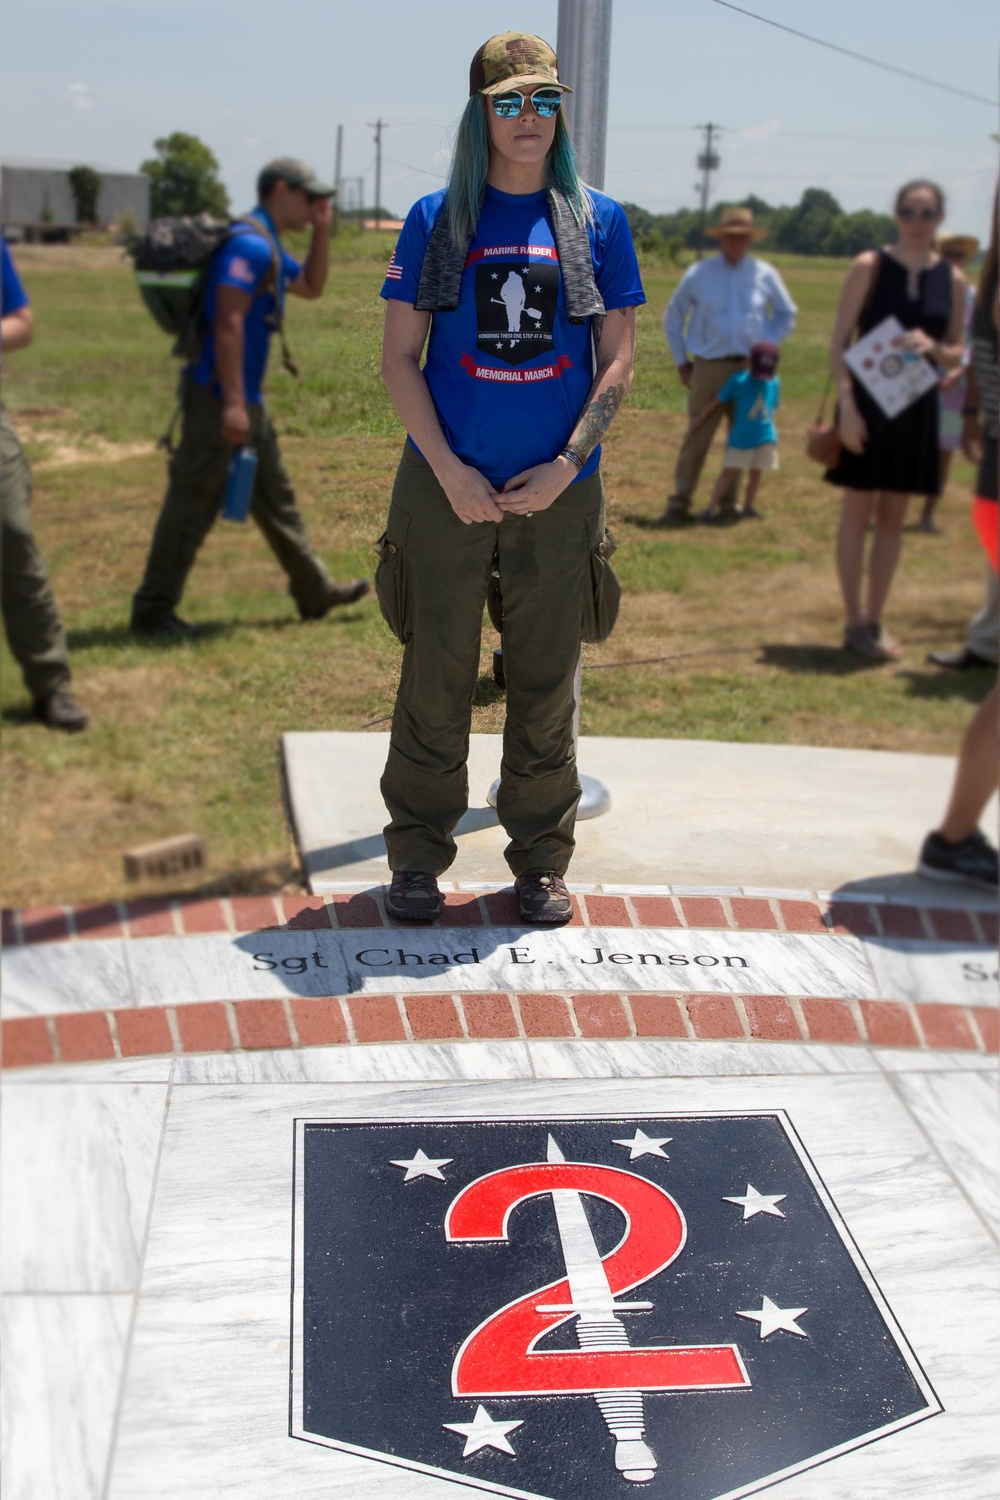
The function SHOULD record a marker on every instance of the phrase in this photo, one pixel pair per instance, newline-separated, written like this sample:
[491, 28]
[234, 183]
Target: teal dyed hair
[470, 164]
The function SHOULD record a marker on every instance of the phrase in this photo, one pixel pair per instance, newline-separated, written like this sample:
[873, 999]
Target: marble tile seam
[135, 1301]
[732, 907]
[304, 1022]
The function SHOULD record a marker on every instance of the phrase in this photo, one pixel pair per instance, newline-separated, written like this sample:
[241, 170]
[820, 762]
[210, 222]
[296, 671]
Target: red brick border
[757, 912]
[217, 1026]
[264, 1025]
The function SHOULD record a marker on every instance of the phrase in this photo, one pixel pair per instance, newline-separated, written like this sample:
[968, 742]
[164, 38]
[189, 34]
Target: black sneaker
[543, 897]
[413, 897]
[963, 660]
[60, 710]
[165, 628]
[340, 593]
[676, 516]
[972, 861]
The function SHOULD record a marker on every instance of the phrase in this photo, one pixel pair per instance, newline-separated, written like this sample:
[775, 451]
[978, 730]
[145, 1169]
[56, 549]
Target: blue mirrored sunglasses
[545, 102]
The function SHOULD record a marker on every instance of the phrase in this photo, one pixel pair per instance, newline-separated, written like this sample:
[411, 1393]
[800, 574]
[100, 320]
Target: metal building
[36, 201]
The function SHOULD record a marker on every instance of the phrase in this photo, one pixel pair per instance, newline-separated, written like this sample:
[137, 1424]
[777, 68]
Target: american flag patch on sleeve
[241, 270]
[394, 271]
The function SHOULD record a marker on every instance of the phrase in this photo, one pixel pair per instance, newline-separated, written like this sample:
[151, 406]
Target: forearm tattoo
[595, 420]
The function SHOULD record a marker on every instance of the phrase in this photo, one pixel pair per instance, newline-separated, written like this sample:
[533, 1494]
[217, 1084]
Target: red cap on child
[764, 358]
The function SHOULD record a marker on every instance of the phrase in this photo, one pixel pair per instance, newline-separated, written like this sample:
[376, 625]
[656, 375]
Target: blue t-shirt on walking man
[755, 400]
[243, 261]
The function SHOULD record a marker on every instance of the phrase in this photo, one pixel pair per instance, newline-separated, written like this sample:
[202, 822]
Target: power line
[409, 167]
[874, 62]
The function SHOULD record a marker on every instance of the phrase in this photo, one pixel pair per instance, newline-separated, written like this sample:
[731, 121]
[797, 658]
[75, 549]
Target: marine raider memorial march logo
[578, 1308]
[515, 302]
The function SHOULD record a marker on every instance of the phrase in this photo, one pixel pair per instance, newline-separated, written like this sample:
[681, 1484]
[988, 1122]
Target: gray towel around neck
[444, 262]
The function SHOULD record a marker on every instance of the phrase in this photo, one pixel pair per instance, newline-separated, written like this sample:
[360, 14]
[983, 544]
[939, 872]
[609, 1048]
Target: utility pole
[378, 128]
[708, 161]
[359, 188]
[337, 165]
[583, 46]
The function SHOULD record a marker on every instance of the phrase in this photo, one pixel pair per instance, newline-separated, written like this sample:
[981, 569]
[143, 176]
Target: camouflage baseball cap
[297, 174]
[514, 58]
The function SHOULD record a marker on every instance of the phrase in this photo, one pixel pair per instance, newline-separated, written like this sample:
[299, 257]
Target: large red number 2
[499, 1357]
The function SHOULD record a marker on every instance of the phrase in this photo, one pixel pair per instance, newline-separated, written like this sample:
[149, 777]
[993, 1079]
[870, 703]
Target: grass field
[727, 635]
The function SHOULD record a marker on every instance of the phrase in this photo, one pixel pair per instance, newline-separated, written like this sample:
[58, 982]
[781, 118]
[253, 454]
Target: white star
[759, 1203]
[538, 289]
[423, 1166]
[771, 1318]
[642, 1144]
[483, 1432]
[538, 325]
[495, 276]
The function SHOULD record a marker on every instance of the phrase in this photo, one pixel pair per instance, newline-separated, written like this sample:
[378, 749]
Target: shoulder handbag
[823, 444]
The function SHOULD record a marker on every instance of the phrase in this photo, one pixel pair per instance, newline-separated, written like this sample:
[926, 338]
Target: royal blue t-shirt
[12, 293]
[755, 401]
[507, 371]
[242, 262]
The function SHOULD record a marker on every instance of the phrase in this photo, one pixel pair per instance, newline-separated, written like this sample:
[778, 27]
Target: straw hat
[952, 242]
[738, 223]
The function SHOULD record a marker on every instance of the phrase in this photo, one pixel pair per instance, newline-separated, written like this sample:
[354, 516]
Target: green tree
[85, 185]
[184, 177]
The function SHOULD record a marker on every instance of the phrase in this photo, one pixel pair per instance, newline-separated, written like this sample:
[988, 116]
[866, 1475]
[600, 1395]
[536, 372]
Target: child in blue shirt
[753, 439]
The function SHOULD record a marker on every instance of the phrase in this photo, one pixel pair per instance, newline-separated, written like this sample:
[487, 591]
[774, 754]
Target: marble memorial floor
[158, 1056]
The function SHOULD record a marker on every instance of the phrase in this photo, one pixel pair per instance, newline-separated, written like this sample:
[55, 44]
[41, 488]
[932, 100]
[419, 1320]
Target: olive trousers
[432, 582]
[191, 506]
[35, 633]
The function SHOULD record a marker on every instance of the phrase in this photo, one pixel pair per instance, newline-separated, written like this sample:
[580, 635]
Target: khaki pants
[193, 501]
[707, 379]
[34, 630]
[432, 582]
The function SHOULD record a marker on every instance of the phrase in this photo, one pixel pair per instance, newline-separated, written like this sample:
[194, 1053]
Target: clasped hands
[473, 498]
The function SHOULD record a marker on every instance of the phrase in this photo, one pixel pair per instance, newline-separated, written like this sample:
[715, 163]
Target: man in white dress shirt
[721, 307]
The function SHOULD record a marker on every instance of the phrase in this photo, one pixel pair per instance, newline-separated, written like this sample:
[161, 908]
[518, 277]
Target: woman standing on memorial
[885, 460]
[523, 285]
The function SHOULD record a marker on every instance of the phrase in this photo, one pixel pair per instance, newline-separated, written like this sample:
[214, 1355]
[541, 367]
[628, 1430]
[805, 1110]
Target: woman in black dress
[886, 460]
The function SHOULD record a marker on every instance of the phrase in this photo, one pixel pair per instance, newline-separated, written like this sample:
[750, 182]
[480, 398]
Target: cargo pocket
[603, 592]
[390, 577]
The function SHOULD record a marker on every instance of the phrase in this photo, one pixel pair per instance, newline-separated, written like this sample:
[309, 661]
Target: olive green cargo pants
[193, 501]
[34, 630]
[432, 581]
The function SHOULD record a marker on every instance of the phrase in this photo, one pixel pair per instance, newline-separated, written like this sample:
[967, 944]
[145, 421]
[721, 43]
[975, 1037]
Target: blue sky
[100, 79]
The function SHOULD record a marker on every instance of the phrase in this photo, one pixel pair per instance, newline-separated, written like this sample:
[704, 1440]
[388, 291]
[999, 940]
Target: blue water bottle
[239, 485]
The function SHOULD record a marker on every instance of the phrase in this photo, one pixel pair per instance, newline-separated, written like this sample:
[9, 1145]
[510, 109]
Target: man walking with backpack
[223, 410]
